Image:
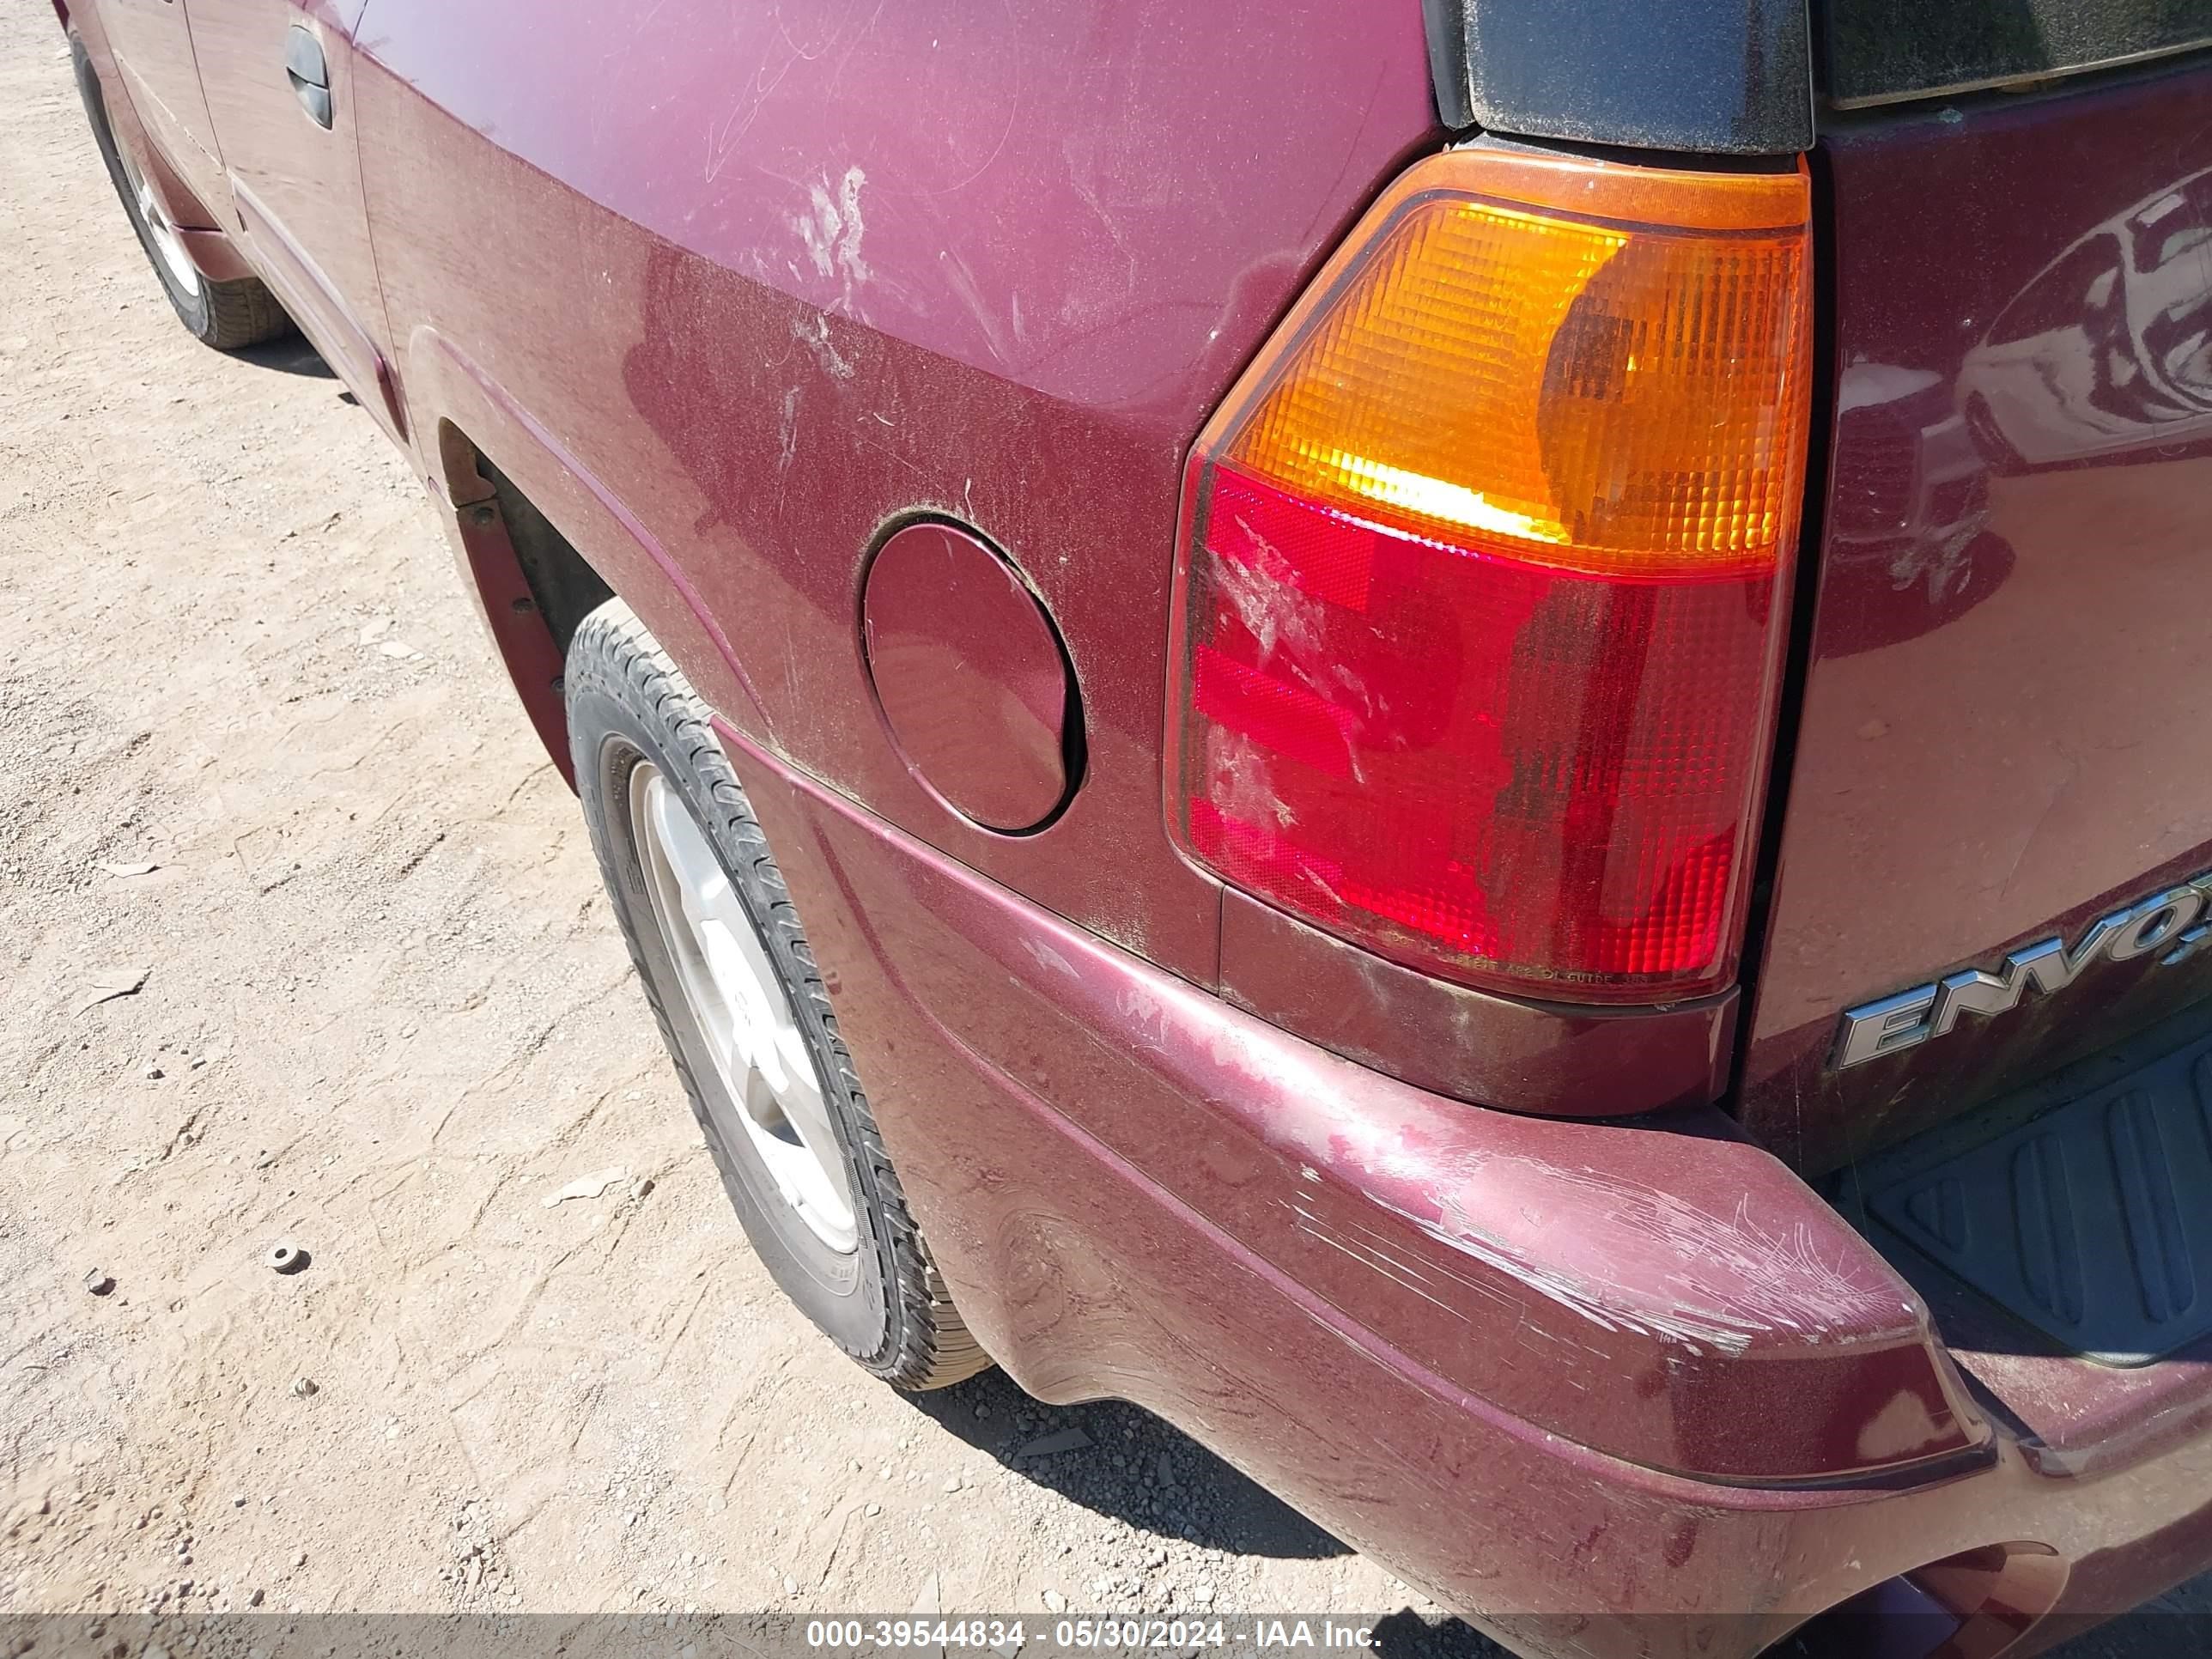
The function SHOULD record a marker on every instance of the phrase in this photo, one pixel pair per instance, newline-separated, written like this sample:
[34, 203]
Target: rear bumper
[1552, 1371]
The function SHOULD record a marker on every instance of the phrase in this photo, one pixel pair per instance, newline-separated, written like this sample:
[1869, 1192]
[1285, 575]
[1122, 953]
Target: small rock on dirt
[99, 1283]
[285, 1257]
[109, 983]
[590, 1186]
[1051, 1445]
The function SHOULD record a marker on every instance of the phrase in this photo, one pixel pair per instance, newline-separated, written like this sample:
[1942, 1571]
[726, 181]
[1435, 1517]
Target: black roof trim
[1884, 52]
[1729, 77]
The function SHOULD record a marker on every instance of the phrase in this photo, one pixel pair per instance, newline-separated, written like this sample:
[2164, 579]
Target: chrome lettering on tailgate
[2166, 923]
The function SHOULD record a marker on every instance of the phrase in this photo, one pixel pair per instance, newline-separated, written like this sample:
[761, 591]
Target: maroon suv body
[1880, 1267]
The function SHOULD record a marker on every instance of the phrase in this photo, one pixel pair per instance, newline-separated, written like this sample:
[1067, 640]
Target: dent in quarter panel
[773, 274]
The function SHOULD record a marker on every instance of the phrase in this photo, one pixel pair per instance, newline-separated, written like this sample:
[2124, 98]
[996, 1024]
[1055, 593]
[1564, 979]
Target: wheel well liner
[533, 587]
[562, 582]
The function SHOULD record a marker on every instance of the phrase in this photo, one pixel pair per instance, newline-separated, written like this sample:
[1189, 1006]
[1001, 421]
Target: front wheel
[732, 979]
[224, 315]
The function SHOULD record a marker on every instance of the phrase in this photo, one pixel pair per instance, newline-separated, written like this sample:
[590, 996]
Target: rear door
[2006, 728]
[278, 77]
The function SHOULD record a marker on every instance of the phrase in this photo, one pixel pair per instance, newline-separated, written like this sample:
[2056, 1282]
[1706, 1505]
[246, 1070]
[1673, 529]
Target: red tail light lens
[1482, 591]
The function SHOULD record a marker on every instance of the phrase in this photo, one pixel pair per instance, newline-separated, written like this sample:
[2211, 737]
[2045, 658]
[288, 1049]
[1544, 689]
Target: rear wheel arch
[524, 508]
[532, 584]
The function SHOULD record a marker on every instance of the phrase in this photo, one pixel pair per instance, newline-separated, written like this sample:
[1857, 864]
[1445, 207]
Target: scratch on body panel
[786, 445]
[1708, 1281]
[813, 333]
[831, 230]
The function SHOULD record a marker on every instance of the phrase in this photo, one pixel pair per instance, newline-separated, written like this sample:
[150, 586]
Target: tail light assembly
[1483, 586]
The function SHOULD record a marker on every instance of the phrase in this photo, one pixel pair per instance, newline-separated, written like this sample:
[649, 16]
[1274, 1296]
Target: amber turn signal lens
[1600, 369]
[1485, 576]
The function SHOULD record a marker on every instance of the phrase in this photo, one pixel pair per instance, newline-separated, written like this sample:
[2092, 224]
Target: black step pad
[2092, 1222]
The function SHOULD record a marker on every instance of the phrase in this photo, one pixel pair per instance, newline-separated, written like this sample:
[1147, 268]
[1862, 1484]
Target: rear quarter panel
[727, 289]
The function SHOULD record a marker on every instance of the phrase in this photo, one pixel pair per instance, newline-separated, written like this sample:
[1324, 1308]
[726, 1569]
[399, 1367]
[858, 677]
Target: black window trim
[1741, 74]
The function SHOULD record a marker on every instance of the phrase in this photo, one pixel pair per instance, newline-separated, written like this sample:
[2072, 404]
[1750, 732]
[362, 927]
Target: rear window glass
[1879, 50]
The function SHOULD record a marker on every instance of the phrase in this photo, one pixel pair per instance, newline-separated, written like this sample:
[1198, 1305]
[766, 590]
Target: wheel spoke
[809, 1113]
[700, 879]
[745, 997]
[744, 1012]
[168, 248]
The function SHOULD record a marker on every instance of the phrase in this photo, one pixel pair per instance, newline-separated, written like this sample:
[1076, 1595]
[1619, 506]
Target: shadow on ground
[1122, 1461]
[2177, 1622]
[1119, 1461]
[291, 354]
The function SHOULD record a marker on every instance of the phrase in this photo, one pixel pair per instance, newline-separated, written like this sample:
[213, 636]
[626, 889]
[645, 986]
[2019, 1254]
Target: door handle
[309, 73]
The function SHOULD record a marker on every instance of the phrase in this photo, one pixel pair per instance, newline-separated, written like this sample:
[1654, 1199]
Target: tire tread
[927, 1344]
[243, 312]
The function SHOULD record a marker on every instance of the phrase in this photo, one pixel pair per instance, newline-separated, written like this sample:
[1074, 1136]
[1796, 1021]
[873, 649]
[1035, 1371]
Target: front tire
[733, 981]
[224, 315]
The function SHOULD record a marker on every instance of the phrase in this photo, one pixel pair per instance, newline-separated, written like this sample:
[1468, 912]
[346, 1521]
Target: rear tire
[698, 895]
[224, 315]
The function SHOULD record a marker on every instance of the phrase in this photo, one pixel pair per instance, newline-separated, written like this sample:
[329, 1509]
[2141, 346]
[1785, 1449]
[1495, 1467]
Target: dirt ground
[257, 759]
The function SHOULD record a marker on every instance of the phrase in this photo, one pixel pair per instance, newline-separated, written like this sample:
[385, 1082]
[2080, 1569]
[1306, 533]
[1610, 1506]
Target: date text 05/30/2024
[1008, 1637]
